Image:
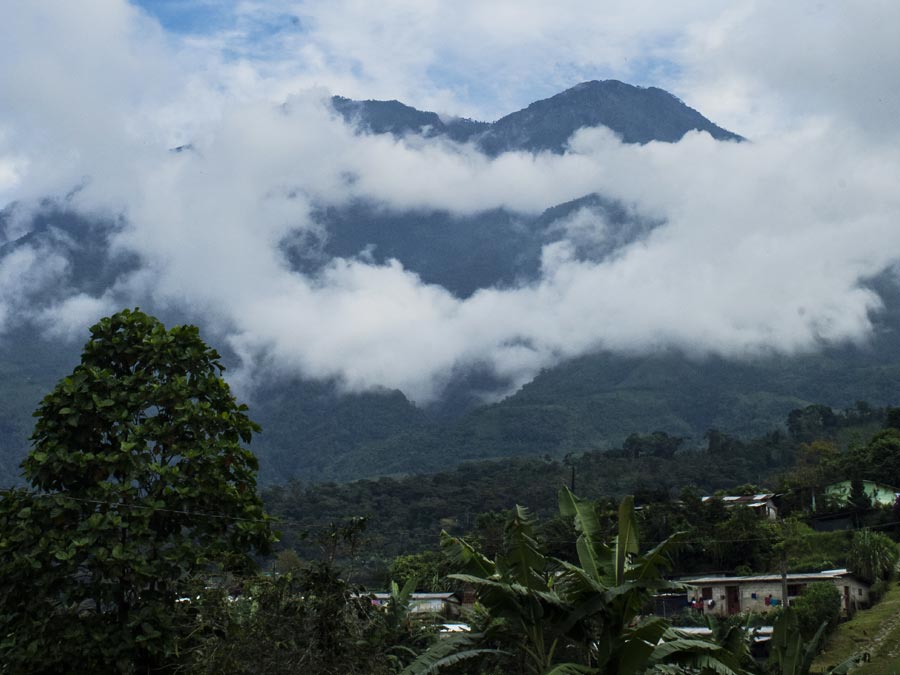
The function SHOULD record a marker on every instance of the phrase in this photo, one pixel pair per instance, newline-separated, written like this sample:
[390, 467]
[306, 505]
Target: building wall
[752, 595]
[433, 606]
[859, 593]
[746, 592]
[879, 494]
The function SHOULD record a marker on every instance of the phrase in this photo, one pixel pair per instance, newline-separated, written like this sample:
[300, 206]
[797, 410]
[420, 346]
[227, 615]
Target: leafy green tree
[428, 569]
[140, 482]
[858, 501]
[880, 460]
[286, 561]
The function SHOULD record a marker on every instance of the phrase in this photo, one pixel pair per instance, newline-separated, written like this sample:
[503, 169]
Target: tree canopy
[140, 482]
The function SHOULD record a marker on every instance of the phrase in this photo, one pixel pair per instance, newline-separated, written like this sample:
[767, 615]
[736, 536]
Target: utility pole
[570, 460]
[784, 584]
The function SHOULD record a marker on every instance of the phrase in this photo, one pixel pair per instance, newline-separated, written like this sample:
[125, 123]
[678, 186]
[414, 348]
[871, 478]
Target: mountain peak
[636, 114]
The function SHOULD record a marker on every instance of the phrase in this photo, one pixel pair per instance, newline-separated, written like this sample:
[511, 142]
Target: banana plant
[517, 589]
[398, 608]
[611, 587]
[560, 618]
[789, 654]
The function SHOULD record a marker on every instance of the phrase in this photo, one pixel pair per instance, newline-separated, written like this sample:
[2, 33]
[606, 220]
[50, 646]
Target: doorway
[732, 599]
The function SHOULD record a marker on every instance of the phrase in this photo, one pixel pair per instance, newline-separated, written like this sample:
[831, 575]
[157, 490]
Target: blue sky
[276, 31]
[188, 16]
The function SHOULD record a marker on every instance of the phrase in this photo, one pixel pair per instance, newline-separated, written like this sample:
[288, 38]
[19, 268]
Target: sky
[765, 246]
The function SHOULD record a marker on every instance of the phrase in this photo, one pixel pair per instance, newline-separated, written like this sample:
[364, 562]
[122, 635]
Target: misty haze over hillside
[364, 246]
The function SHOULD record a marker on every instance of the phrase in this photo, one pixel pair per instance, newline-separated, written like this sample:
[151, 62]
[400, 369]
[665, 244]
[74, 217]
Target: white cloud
[68, 318]
[26, 272]
[764, 243]
[766, 66]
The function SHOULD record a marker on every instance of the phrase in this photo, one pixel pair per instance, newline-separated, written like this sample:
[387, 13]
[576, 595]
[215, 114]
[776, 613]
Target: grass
[875, 630]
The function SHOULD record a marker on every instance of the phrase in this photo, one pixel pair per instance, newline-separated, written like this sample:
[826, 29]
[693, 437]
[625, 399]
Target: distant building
[724, 596]
[762, 503]
[445, 604]
[879, 493]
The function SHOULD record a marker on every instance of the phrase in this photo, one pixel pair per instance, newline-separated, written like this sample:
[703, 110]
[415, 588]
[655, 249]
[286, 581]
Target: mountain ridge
[635, 114]
[314, 432]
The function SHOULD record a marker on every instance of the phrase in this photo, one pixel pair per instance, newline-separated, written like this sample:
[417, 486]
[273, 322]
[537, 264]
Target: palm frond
[447, 652]
[571, 669]
[593, 554]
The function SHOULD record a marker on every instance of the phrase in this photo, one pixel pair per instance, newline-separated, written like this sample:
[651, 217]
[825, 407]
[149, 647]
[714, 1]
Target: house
[723, 596]
[762, 503]
[879, 493]
[445, 604]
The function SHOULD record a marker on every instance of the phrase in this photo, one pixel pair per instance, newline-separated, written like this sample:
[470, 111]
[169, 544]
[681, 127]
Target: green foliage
[858, 499]
[448, 652]
[140, 484]
[792, 652]
[811, 422]
[878, 590]
[406, 512]
[471, 501]
[429, 569]
[872, 555]
[286, 561]
[310, 621]
[880, 459]
[819, 605]
[554, 616]
[810, 551]
[657, 444]
[589, 404]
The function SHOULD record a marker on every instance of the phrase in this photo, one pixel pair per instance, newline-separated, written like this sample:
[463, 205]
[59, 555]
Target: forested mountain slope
[312, 431]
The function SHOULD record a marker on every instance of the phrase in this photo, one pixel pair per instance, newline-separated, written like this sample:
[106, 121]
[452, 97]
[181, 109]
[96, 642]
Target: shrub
[872, 555]
[820, 603]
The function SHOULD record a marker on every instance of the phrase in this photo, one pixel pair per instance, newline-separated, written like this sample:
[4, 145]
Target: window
[707, 592]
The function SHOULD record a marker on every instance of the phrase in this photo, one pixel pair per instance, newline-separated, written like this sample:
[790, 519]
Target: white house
[762, 503]
[723, 596]
[445, 604]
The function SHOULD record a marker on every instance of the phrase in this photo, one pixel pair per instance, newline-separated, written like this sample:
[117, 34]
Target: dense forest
[137, 545]
[404, 515]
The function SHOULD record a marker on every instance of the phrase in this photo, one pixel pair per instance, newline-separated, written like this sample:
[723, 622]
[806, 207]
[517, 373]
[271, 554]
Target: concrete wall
[752, 594]
[746, 599]
[858, 594]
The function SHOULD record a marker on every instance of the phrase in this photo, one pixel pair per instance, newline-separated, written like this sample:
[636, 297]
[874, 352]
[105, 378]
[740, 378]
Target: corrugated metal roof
[760, 633]
[419, 596]
[825, 575]
[742, 499]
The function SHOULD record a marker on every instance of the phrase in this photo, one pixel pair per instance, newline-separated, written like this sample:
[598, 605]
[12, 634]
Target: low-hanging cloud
[762, 246]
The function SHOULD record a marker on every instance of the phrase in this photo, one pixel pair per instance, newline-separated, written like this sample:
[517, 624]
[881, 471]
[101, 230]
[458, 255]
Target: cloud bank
[764, 246]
